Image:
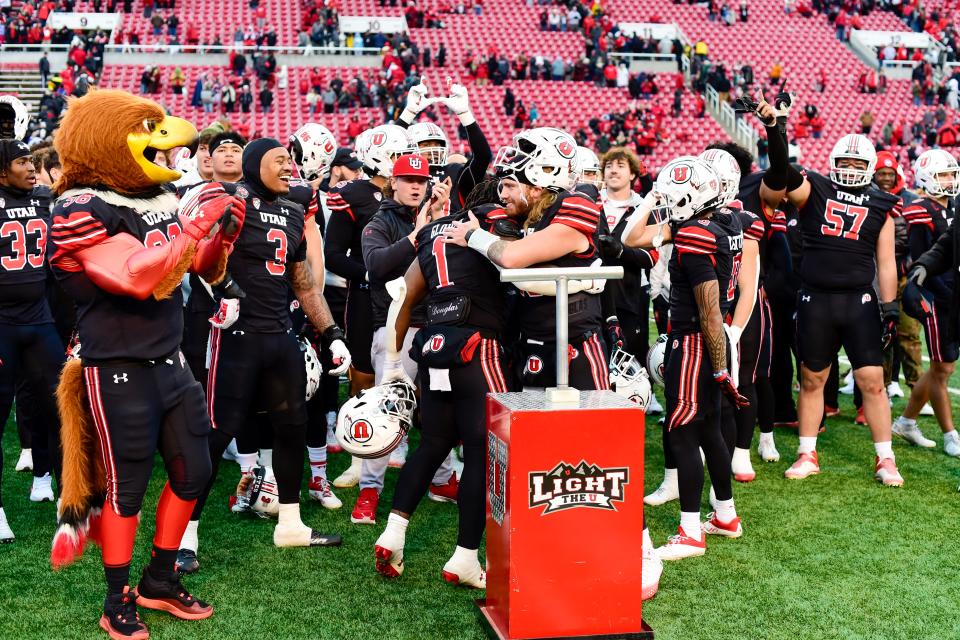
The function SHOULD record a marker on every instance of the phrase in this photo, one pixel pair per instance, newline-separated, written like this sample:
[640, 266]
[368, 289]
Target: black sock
[162, 562]
[117, 578]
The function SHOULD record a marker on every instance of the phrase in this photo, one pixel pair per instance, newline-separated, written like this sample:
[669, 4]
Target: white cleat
[231, 453]
[894, 390]
[807, 464]
[466, 574]
[767, 448]
[350, 477]
[653, 407]
[42, 489]
[926, 410]
[713, 526]
[25, 461]
[682, 546]
[6, 533]
[388, 552]
[909, 431]
[398, 457]
[951, 447]
[241, 502]
[848, 385]
[886, 472]
[652, 569]
[321, 492]
[668, 491]
[741, 466]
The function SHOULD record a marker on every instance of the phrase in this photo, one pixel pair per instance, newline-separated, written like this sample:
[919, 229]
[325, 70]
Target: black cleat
[318, 539]
[120, 618]
[187, 562]
[167, 593]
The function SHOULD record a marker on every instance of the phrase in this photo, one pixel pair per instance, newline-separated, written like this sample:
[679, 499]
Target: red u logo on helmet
[681, 173]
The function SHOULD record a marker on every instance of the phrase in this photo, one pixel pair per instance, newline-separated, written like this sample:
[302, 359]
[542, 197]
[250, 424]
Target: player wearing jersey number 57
[256, 362]
[848, 240]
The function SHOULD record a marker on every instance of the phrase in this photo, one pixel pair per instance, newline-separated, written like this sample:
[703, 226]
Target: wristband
[720, 374]
[331, 333]
[481, 241]
[466, 118]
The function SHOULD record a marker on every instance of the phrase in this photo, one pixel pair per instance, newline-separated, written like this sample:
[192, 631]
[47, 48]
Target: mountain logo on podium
[583, 485]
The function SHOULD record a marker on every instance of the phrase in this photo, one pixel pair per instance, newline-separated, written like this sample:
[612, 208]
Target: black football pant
[359, 322]
[33, 355]
[139, 407]
[782, 374]
[754, 384]
[449, 417]
[588, 370]
[329, 391]
[694, 421]
[250, 371]
[196, 331]
[636, 333]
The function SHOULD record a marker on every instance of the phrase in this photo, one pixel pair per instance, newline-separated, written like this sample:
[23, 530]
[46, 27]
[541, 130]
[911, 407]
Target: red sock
[173, 514]
[118, 533]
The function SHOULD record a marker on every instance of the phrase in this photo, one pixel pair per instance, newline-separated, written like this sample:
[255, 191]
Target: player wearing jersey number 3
[848, 240]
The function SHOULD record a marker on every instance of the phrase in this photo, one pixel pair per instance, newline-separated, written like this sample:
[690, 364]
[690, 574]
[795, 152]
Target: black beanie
[252, 156]
[10, 150]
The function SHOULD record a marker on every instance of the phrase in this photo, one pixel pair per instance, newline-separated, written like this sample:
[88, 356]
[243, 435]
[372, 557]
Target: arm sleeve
[383, 255]
[337, 243]
[479, 162]
[776, 176]
[636, 258]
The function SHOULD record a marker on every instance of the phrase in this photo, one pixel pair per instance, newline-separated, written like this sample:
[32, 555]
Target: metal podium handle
[560, 276]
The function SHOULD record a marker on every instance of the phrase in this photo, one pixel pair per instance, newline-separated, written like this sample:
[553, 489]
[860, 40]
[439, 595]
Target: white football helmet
[372, 423]
[264, 498]
[379, 147]
[655, 356]
[543, 157]
[312, 363]
[14, 118]
[857, 147]
[629, 379]
[686, 187]
[423, 132]
[727, 169]
[932, 167]
[312, 148]
[588, 168]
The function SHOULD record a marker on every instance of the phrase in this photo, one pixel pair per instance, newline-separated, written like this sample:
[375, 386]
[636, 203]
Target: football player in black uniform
[31, 351]
[389, 247]
[256, 362]
[461, 349]
[351, 207]
[848, 241]
[702, 266]
[560, 229]
[938, 180]
[433, 144]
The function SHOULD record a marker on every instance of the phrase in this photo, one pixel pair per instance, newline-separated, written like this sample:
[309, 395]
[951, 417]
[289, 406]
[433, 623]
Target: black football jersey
[537, 314]
[740, 225]
[24, 226]
[927, 220]
[840, 228]
[720, 240]
[113, 326]
[452, 272]
[269, 243]
[748, 198]
[352, 205]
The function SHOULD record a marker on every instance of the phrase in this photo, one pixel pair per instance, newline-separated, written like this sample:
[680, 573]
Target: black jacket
[387, 254]
[944, 256]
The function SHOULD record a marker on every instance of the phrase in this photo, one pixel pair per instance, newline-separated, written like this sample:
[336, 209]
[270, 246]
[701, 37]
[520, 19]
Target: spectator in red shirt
[610, 75]
[355, 128]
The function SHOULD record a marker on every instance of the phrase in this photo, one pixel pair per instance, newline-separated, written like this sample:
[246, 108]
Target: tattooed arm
[707, 295]
[310, 295]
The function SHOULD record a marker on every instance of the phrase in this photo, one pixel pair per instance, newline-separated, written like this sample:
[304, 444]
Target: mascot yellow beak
[164, 135]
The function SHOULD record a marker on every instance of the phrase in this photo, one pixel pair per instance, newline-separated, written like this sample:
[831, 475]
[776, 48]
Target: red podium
[564, 517]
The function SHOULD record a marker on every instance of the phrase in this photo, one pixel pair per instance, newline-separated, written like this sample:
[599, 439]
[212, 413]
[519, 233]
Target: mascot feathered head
[109, 139]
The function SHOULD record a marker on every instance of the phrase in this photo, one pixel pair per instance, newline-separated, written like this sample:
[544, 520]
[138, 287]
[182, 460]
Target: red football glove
[233, 222]
[207, 215]
[729, 389]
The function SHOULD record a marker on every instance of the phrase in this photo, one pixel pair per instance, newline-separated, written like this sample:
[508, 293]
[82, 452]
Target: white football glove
[459, 103]
[393, 371]
[341, 358]
[417, 101]
[227, 314]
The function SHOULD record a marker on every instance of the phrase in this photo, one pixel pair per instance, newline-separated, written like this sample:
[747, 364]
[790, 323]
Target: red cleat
[860, 419]
[832, 412]
[365, 510]
[445, 492]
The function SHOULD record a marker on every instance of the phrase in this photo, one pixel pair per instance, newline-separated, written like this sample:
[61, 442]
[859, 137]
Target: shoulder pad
[696, 238]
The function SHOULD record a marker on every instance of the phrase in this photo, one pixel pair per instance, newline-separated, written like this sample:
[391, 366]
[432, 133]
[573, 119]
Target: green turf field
[834, 556]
